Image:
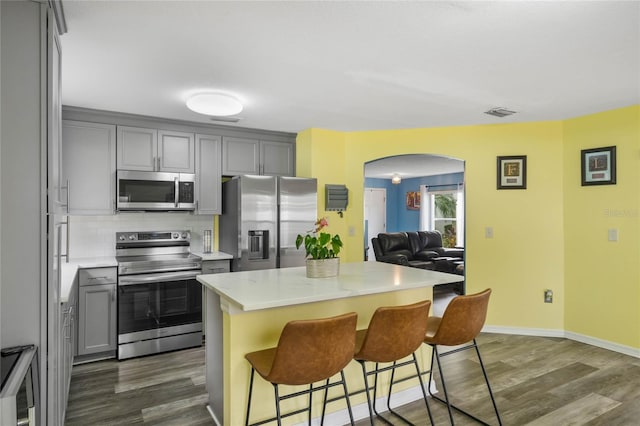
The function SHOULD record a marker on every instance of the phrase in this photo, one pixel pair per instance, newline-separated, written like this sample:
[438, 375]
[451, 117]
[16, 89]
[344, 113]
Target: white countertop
[271, 288]
[69, 271]
[214, 255]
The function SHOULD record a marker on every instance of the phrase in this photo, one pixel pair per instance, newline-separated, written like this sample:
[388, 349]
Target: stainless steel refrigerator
[261, 217]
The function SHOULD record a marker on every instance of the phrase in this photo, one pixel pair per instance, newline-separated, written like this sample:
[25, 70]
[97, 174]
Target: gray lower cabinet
[211, 267]
[243, 156]
[215, 266]
[88, 167]
[97, 310]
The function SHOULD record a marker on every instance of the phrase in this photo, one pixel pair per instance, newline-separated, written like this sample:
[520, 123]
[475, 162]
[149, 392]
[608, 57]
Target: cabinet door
[240, 156]
[176, 152]
[97, 319]
[137, 148]
[56, 182]
[89, 166]
[277, 158]
[209, 186]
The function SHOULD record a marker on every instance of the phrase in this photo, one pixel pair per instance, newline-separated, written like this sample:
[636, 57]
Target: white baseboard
[213, 416]
[542, 332]
[612, 346]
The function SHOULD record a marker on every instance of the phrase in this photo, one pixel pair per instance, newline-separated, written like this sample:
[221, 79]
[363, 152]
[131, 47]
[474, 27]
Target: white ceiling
[354, 65]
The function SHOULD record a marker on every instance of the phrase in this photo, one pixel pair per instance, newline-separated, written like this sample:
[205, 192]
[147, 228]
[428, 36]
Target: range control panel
[153, 236]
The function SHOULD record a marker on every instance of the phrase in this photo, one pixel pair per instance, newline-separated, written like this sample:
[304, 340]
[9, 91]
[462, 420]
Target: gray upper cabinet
[277, 158]
[176, 152]
[240, 156]
[208, 173]
[155, 150]
[255, 157]
[88, 167]
[137, 148]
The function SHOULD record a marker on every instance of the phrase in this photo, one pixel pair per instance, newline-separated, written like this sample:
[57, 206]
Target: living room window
[443, 211]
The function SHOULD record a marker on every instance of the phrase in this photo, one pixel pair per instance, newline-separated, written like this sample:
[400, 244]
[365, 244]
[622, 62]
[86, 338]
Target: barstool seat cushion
[308, 351]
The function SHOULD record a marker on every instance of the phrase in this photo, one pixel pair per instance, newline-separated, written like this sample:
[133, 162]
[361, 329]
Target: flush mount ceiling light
[499, 112]
[396, 179]
[214, 104]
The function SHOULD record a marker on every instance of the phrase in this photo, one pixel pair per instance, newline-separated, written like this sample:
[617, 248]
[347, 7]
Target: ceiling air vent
[225, 119]
[499, 112]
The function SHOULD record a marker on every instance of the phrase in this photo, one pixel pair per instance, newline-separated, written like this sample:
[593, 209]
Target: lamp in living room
[396, 179]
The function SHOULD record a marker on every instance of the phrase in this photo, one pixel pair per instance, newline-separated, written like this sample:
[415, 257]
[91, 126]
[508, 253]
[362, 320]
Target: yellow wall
[527, 254]
[602, 278]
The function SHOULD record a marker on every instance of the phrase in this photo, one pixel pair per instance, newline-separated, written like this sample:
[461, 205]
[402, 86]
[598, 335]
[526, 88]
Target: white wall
[94, 236]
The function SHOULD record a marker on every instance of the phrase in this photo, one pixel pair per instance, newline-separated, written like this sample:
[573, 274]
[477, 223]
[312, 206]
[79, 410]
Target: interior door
[375, 216]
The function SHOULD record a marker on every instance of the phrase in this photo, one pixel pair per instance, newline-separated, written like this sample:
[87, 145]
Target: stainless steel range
[159, 299]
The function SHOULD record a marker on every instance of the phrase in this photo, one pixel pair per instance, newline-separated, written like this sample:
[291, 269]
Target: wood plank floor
[536, 381]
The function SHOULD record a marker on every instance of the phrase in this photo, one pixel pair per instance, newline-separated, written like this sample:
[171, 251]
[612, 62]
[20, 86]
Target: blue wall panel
[399, 218]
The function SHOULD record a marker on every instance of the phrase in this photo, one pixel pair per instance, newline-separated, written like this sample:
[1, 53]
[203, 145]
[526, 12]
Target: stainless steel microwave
[155, 191]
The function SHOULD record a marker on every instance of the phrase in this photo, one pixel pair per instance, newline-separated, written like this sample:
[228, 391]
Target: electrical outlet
[488, 232]
[548, 296]
[613, 234]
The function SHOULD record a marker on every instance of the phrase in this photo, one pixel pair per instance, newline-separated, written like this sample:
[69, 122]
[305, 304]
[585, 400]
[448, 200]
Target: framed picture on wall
[512, 172]
[598, 166]
[413, 200]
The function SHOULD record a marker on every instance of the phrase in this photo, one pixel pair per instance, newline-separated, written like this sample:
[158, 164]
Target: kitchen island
[246, 311]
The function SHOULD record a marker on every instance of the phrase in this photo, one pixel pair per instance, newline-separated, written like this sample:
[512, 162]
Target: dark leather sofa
[418, 249]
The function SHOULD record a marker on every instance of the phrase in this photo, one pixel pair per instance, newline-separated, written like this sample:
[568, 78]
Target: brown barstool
[461, 323]
[308, 351]
[394, 333]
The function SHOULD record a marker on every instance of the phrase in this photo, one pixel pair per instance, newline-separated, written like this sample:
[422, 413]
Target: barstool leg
[424, 393]
[486, 379]
[375, 391]
[310, 401]
[246, 422]
[444, 386]
[278, 417]
[366, 390]
[346, 395]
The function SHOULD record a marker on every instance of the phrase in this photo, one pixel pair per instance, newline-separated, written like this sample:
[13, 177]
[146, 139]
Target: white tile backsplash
[95, 236]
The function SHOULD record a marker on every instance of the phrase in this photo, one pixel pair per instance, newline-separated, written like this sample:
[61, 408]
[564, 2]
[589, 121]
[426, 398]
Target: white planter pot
[323, 268]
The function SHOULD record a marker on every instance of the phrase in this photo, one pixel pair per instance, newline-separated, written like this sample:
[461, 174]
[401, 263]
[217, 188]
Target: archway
[406, 180]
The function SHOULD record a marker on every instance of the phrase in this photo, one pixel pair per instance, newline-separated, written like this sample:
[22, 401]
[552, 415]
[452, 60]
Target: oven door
[149, 305]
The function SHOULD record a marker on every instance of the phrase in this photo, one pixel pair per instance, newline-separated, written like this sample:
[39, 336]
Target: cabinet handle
[66, 253]
[66, 205]
[104, 277]
[158, 166]
[113, 295]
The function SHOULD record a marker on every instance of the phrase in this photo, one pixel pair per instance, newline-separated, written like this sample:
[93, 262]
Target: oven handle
[156, 278]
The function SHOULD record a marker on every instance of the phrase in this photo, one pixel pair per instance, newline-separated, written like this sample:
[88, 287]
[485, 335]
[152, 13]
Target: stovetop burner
[151, 252]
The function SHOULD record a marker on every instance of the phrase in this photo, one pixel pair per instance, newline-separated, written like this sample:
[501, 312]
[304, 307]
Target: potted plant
[321, 250]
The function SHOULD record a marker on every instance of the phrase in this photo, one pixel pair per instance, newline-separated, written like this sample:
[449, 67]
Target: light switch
[488, 232]
[352, 231]
[613, 234]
